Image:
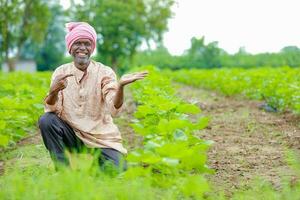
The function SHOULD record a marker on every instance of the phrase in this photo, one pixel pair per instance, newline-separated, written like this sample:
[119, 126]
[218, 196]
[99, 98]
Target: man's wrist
[121, 86]
[53, 92]
[51, 99]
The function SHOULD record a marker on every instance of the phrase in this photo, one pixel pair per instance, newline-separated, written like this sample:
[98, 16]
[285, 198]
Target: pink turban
[80, 30]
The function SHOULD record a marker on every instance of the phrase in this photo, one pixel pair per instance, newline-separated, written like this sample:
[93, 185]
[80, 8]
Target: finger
[138, 75]
[66, 76]
[105, 83]
[139, 78]
[143, 76]
[105, 79]
[131, 74]
[144, 72]
[62, 85]
[133, 80]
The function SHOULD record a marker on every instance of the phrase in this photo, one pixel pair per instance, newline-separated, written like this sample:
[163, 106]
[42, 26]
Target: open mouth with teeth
[81, 54]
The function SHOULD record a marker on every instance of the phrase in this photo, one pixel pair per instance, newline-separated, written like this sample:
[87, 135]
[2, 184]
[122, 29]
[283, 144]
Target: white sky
[257, 25]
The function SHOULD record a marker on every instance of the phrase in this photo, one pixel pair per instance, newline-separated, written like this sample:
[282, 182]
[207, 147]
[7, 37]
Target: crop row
[172, 156]
[21, 98]
[279, 87]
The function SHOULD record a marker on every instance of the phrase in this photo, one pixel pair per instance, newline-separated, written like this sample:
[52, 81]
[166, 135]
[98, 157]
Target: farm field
[177, 135]
[278, 87]
[249, 143]
[21, 103]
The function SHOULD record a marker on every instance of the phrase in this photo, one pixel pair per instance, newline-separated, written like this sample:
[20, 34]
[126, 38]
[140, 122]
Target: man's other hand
[130, 78]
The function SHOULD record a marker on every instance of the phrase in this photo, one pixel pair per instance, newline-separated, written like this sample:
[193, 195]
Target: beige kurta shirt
[86, 104]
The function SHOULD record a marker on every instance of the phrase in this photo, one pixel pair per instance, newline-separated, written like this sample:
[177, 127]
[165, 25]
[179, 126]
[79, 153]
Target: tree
[160, 57]
[21, 20]
[291, 55]
[200, 55]
[290, 49]
[51, 52]
[123, 25]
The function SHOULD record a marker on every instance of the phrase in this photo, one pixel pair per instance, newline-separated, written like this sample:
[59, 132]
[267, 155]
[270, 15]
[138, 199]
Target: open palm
[130, 78]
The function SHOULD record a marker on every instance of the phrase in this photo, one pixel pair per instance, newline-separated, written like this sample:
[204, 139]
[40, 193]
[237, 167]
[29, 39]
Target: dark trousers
[58, 136]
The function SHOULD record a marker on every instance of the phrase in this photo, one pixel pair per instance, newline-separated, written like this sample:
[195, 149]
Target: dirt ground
[248, 142]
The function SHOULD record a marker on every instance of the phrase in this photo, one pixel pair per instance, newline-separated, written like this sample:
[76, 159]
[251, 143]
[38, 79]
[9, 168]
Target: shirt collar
[79, 74]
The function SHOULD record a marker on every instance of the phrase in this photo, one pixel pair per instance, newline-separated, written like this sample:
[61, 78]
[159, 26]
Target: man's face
[81, 51]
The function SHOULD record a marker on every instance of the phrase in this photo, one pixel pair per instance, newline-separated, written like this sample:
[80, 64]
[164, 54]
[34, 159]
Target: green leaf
[151, 145]
[168, 127]
[150, 158]
[194, 186]
[174, 150]
[2, 125]
[188, 109]
[137, 172]
[143, 111]
[180, 135]
[202, 123]
[4, 140]
[171, 161]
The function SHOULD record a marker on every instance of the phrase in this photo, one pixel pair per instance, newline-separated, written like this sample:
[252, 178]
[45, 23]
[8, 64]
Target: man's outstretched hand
[130, 78]
[125, 80]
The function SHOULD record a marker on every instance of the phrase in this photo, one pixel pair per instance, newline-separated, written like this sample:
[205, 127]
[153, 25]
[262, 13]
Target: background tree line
[201, 55]
[34, 29]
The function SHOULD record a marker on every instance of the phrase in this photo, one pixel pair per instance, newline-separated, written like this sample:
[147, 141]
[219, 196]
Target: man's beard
[82, 60]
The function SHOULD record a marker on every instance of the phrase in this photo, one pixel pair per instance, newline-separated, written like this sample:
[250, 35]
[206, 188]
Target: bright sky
[257, 25]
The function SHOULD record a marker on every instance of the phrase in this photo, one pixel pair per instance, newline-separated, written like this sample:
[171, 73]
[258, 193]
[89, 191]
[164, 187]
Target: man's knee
[47, 120]
[113, 156]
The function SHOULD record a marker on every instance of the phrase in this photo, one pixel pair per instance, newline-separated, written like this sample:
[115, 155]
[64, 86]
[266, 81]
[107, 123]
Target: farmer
[83, 97]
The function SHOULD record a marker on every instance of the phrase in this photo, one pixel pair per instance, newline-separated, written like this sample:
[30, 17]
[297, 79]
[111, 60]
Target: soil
[248, 142]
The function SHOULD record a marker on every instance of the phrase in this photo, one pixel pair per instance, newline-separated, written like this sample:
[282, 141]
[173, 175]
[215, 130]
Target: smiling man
[83, 97]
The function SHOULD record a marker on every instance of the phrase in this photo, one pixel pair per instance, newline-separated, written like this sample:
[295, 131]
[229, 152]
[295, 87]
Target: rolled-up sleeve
[109, 90]
[55, 107]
